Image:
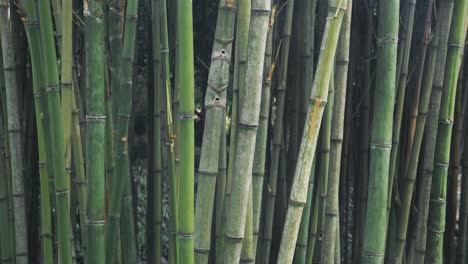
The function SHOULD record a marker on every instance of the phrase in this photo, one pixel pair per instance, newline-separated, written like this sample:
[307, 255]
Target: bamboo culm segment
[247, 130]
[318, 99]
[381, 133]
[436, 217]
[331, 231]
[14, 136]
[215, 105]
[55, 113]
[123, 109]
[424, 185]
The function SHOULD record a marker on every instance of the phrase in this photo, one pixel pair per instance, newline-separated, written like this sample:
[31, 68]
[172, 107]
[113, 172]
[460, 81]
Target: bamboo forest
[233, 131]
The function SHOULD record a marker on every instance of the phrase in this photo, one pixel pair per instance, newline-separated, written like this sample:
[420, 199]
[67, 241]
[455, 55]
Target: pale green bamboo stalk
[119, 185]
[318, 99]
[220, 194]
[247, 130]
[331, 233]
[57, 139]
[424, 185]
[437, 210]
[381, 133]
[215, 105]
[14, 137]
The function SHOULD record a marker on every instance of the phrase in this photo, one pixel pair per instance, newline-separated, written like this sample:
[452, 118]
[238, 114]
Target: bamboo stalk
[6, 250]
[277, 131]
[415, 136]
[317, 104]
[221, 194]
[247, 130]
[154, 213]
[463, 220]
[381, 135]
[185, 235]
[123, 107]
[58, 161]
[14, 137]
[424, 185]
[437, 210]
[215, 104]
[331, 234]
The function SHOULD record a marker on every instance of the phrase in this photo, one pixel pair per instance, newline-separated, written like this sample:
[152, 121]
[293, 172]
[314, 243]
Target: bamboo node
[260, 12]
[95, 118]
[95, 222]
[373, 254]
[183, 116]
[42, 164]
[52, 88]
[234, 238]
[217, 89]
[440, 164]
[63, 192]
[45, 235]
[380, 145]
[297, 203]
[246, 260]
[388, 39]
[3, 198]
[185, 235]
[435, 230]
[37, 94]
[9, 69]
[224, 41]
[202, 251]
[207, 173]
[248, 126]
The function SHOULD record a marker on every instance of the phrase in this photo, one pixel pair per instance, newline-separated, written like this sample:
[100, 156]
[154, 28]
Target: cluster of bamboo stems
[315, 117]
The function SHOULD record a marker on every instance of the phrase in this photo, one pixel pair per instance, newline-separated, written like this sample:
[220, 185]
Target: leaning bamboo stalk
[14, 137]
[318, 99]
[247, 130]
[415, 136]
[215, 104]
[277, 131]
[402, 79]
[220, 194]
[437, 210]
[124, 100]
[58, 161]
[424, 185]
[331, 234]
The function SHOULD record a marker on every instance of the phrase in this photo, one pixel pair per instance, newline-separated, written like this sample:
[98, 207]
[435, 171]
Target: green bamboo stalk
[454, 172]
[415, 136]
[277, 132]
[366, 86]
[221, 194]
[79, 166]
[331, 234]
[381, 135]
[66, 60]
[324, 151]
[58, 18]
[463, 220]
[154, 238]
[240, 64]
[436, 218]
[14, 137]
[215, 104]
[314, 221]
[317, 103]
[424, 185]
[258, 169]
[247, 130]
[6, 251]
[58, 161]
[171, 136]
[114, 30]
[184, 32]
[302, 241]
[127, 224]
[123, 107]
[247, 252]
[402, 80]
